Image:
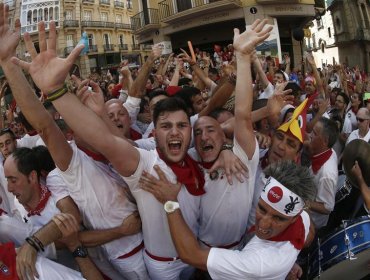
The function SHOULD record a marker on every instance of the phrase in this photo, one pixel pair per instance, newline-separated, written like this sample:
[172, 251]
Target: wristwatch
[227, 147]
[80, 252]
[171, 206]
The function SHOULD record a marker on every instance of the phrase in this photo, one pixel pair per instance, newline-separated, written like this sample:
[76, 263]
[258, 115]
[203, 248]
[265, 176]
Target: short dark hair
[329, 130]
[281, 73]
[217, 112]
[7, 130]
[184, 82]
[171, 104]
[24, 121]
[26, 161]
[294, 177]
[155, 93]
[186, 94]
[345, 97]
[45, 160]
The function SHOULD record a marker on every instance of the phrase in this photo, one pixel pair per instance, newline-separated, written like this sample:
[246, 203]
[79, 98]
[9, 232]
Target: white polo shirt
[156, 232]
[225, 208]
[259, 259]
[102, 197]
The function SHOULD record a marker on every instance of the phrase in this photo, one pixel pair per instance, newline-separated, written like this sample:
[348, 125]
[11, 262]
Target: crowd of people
[192, 167]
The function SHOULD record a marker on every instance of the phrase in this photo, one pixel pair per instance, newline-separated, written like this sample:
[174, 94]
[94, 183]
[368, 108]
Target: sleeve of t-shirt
[268, 92]
[132, 106]
[146, 143]
[347, 126]
[56, 185]
[326, 193]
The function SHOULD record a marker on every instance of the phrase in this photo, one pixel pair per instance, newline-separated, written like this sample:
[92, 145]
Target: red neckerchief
[93, 155]
[206, 165]
[2, 212]
[7, 257]
[294, 233]
[264, 160]
[44, 197]
[319, 160]
[32, 133]
[188, 174]
[134, 135]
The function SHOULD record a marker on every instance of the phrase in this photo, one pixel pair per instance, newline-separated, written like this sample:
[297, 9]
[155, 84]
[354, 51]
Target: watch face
[80, 252]
[171, 206]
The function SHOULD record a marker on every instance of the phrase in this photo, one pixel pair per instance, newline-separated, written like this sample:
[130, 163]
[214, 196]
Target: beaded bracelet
[32, 243]
[57, 93]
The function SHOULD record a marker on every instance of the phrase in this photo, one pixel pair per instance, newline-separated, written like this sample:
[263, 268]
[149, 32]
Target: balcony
[88, 1]
[129, 5]
[123, 47]
[191, 9]
[108, 48]
[33, 27]
[93, 48]
[145, 21]
[123, 26]
[135, 47]
[70, 23]
[119, 4]
[104, 2]
[68, 50]
[99, 24]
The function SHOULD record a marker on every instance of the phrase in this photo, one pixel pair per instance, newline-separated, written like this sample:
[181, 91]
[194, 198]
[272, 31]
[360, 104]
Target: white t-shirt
[157, 237]
[326, 183]
[56, 185]
[8, 198]
[259, 259]
[268, 92]
[146, 143]
[352, 117]
[102, 197]
[28, 141]
[12, 229]
[224, 209]
[355, 135]
[48, 270]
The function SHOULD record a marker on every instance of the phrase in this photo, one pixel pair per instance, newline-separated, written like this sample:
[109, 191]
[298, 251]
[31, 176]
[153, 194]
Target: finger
[23, 64]
[255, 23]
[29, 45]
[6, 16]
[149, 177]
[42, 36]
[72, 57]
[228, 176]
[17, 26]
[52, 36]
[260, 25]
[33, 270]
[148, 189]
[76, 80]
[160, 173]
[236, 32]
[2, 14]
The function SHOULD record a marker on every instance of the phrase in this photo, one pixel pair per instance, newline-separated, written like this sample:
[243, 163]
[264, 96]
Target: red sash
[319, 160]
[45, 195]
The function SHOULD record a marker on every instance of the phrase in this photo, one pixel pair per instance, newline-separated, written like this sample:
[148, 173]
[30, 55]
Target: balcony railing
[123, 47]
[129, 5]
[103, 24]
[147, 17]
[88, 1]
[123, 25]
[68, 50]
[168, 9]
[70, 23]
[104, 2]
[33, 27]
[119, 4]
[135, 47]
[108, 47]
[93, 48]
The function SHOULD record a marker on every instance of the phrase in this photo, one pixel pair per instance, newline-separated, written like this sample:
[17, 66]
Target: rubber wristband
[38, 242]
[33, 244]
[58, 93]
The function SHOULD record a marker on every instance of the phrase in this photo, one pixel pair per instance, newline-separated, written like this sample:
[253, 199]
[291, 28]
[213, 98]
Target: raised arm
[244, 47]
[49, 73]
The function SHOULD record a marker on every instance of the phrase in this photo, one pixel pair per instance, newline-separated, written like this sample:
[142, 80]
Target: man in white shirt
[363, 122]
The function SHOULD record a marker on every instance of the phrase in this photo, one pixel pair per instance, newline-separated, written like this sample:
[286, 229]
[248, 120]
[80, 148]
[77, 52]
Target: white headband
[281, 199]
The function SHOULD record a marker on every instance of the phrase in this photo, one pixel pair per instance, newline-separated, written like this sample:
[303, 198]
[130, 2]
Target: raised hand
[186, 57]
[69, 227]
[246, 42]
[9, 38]
[46, 69]
[131, 225]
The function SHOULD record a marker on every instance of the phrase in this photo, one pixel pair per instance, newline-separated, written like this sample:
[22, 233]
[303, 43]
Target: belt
[133, 251]
[161, 259]
[228, 246]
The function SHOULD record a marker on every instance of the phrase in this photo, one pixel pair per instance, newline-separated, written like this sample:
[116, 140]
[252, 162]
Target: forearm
[93, 238]
[261, 74]
[318, 80]
[67, 205]
[201, 75]
[48, 234]
[175, 77]
[138, 86]
[318, 207]
[186, 243]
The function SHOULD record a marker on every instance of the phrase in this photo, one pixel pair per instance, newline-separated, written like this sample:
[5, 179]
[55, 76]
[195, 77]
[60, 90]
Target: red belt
[133, 252]
[161, 259]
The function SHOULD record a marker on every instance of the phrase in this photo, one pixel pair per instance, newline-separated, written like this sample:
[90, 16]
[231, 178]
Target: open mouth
[174, 145]
[120, 126]
[207, 148]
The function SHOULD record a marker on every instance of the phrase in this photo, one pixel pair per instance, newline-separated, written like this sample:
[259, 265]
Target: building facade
[351, 19]
[321, 39]
[206, 22]
[106, 22]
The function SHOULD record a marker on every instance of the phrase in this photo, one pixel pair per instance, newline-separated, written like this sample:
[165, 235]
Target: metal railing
[93, 48]
[123, 47]
[135, 47]
[88, 1]
[70, 23]
[123, 25]
[104, 2]
[108, 47]
[140, 20]
[34, 27]
[90, 23]
[119, 4]
[167, 8]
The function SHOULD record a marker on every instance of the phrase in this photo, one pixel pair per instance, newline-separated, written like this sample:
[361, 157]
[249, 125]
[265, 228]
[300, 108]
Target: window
[319, 23]
[118, 18]
[87, 15]
[106, 39]
[314, 41]
[69, 15]
[90, 38]
[129, 4]
[69, 40]
[104, 17]
[329, 32]
[121, 40]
